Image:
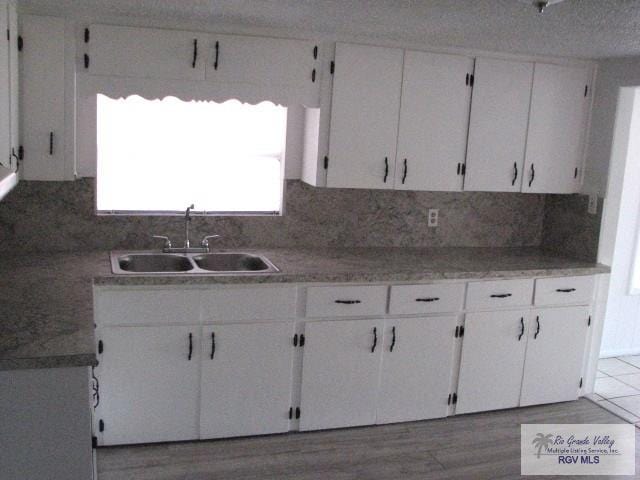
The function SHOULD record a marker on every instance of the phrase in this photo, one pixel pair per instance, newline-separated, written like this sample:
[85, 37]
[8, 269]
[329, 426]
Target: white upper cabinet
[42, 97]
[274, 62]
[557, 127]
[434, 121]
[5, 93]
[498, 126]
[364, 116]
[146, 52]
[14, 85]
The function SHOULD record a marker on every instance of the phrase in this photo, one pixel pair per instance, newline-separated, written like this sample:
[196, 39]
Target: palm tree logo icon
[541, 441]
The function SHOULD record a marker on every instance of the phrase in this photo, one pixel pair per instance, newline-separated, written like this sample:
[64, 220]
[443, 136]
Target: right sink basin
[233, 262]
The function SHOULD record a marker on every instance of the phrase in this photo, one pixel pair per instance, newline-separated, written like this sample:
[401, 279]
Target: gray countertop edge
[54, 361]
[203, 279]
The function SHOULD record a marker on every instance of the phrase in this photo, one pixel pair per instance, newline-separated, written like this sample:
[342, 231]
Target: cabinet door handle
[565, 290]
[428, 299]
[515, 173]
[195, 53]
[190, 345]
[521, 328]
[404, 174]
[215, 61]
[500, 295]
[50, 143]
[213, 344]
[533, 174]
[375, 339]
[386, 169]
[348, 302]
[537, 328]
[393, 339]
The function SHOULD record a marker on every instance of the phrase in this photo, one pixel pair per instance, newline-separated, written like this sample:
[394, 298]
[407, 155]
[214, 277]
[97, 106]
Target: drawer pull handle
[521, 328]
[213, 344]
[375, 339]
[565, 290]
[428, 299]
[348, 302]
[190, 345]
[500, 295]
[537, 328]
[393, 339]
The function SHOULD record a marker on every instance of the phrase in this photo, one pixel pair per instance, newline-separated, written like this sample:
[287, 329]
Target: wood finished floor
[479, 446]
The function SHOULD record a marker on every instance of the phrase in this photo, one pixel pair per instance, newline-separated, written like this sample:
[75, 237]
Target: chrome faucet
[187, 221]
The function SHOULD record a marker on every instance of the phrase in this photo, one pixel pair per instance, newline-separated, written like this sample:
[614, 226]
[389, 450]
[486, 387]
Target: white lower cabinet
[493, 352]
[340, 371]
[416, 368]
[149, 384]
[246, 379]
[555, 352]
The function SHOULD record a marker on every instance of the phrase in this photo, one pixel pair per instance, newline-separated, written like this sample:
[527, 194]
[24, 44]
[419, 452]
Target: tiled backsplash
[59, 216]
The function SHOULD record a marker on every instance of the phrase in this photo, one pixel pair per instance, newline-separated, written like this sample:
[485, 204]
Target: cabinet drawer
[346, 301]
[499, 293]
[249, 303]
[564, 290]
[146, 307]
[408, 299]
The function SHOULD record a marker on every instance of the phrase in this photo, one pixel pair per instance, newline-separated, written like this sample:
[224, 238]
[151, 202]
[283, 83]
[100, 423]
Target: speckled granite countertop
[46, 300]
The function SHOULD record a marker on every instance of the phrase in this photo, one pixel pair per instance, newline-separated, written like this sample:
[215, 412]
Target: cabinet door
[272, 62]
[146, 52]
[498, 125]
[493, 350]
[340, 371]
[14, 85]
[246, 379]
[555, 352]
[416, 369]
[364, 116]
[557, 126]
[5, 103]
[434, 121]
[42, 72]
[149, 384]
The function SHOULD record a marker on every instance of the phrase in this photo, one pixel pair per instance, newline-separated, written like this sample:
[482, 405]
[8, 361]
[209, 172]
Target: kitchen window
[160, 156]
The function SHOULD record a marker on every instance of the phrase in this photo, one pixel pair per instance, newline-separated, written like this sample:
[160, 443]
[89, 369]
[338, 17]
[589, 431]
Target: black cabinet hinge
[457, 332]
[101, 425]
[86, 35]
[302, 339]
[295, 340]
[315, 52]
[586, 90]
[463, 170]
[449, 400]
[332, 67]
[575, 173]
[326, 163]
[580, 382]
[94, 442]
[290, 413]
[313, 76]
[100, 346]
[461, 333]
[20, 152]
[589, 321]
[454, 399]
[297, 413]
[86, 60]
[471, 80]
[20, 43]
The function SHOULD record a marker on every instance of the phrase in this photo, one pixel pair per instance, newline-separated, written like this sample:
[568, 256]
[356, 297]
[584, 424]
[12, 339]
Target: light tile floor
[617, 387]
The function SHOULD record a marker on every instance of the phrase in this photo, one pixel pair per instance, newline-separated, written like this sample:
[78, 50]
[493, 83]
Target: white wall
[621, 335]
[612, 74]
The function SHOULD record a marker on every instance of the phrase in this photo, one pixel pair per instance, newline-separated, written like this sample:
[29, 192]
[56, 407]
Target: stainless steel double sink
[222, 263]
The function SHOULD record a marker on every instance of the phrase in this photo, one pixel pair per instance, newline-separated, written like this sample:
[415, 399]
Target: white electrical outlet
[432, 219]
[593, 204]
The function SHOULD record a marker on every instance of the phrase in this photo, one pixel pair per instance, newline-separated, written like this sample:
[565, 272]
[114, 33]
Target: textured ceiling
[574, 28]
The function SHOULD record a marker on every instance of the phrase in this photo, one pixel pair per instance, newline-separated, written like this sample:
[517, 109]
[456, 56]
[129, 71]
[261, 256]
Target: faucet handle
[167, 241]
[205, 240]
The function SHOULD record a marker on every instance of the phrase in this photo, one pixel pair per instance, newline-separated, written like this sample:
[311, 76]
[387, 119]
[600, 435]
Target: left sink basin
[154, 263]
